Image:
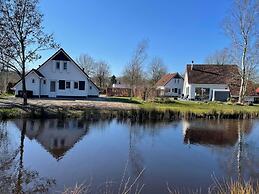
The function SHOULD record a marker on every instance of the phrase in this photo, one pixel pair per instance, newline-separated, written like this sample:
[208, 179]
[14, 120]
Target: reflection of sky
[159, 148]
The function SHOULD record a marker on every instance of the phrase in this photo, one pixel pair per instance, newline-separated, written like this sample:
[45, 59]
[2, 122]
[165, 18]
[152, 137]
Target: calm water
[54, 154]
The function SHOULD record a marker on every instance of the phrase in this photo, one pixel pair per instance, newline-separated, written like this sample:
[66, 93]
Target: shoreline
[136, 115]
[123, 109]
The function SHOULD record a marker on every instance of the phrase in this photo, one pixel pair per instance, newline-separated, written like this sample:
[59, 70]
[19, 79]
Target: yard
[118, 103]
[202, 107]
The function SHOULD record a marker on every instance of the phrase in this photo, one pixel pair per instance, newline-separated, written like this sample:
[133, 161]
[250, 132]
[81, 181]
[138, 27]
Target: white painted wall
[191, 89]
[51, 73]
[173, 83]
[92, 89]
[29, 85]
[72, 74]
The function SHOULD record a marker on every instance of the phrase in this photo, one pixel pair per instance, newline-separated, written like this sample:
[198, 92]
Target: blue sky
[178, 31]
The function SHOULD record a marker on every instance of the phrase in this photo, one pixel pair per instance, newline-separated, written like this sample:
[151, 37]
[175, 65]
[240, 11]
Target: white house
[56, 136]
[213, 82]
[170, 85]
[58, 77]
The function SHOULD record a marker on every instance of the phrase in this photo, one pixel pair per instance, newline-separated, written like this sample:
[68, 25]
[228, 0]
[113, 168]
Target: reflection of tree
[242, 161]
[135, 157]
[14, 178]
[137, 131]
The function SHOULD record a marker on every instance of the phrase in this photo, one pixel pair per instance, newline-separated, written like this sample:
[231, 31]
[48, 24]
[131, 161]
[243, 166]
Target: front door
[52, 93]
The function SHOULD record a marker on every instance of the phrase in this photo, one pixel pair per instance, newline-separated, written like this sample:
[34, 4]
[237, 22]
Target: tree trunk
[19, 184]
[241, 91]
[24, 92]
[243, 75]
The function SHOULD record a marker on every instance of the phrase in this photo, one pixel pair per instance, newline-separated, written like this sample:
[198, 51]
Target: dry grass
[78, 189]
[222, 187]
[235, 187]
[127, 185]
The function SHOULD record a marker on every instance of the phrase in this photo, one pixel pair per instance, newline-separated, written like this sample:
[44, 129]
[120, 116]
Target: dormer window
[57, 65]
[65, 66]
[33, 80]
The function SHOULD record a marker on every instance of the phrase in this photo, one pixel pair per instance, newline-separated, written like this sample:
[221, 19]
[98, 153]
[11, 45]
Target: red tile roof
[167, 77]
[257, 90]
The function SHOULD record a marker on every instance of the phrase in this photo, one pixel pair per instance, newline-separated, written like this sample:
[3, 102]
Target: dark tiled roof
[218, 74]
[211, 74]
[166, 78]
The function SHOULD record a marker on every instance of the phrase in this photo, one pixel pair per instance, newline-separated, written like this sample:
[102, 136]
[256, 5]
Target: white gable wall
[174, 83]
[72, 74]
[34, 87]
[92, 89]
[41, 86]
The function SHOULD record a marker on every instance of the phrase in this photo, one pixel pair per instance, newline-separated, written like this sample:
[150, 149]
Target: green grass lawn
[5, 95]
[197, 107]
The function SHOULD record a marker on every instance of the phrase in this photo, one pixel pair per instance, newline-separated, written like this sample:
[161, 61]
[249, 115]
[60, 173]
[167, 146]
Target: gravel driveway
[100, 103]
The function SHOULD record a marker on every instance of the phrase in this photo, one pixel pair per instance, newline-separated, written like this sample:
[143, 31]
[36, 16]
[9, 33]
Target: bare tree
[220, 57]
[242, 26]
[156, 70]
[87, 63]
[133, 72]
[102, 73]
[22, 36]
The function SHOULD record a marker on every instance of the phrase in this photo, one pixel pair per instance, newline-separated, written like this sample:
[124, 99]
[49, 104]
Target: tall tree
[133, 72]
[113, 80]
[220, 57]
[22, 36]
[242, 26]
[87, 63]
[156, 70]
[102, 73]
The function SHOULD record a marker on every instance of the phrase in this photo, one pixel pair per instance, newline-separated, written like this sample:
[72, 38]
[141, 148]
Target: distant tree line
[134, 74]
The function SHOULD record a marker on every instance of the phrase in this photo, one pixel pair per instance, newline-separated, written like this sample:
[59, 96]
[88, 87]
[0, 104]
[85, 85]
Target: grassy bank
[202, 108]
[144, 111]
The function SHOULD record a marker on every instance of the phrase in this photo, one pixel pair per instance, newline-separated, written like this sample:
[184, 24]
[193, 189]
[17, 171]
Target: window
[202, 93]
[52, 86]
[81, 85]
[174, 80]
[90, 87]
[167, 90]
[33, 81]
[175, 90]
[75, 85]
[178, 81]
[44, 81]
[61, 84]
[65, 66]
[67, 84]
[55, 142]
[179, 91]
[57, 65]
[62, 142]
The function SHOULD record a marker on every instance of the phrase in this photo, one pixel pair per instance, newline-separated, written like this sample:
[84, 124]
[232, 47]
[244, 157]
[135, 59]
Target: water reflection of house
[213, 132]
[56, 136]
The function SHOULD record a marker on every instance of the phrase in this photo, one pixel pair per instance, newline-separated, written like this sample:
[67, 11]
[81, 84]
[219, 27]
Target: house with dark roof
[57, 137]
[214, 82]
[59, 76]
[170, 85]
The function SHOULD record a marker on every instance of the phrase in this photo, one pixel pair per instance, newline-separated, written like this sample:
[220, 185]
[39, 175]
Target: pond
[51, 155]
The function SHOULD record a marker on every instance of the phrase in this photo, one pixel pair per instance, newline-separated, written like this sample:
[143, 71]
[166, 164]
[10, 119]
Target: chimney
[192, 65]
